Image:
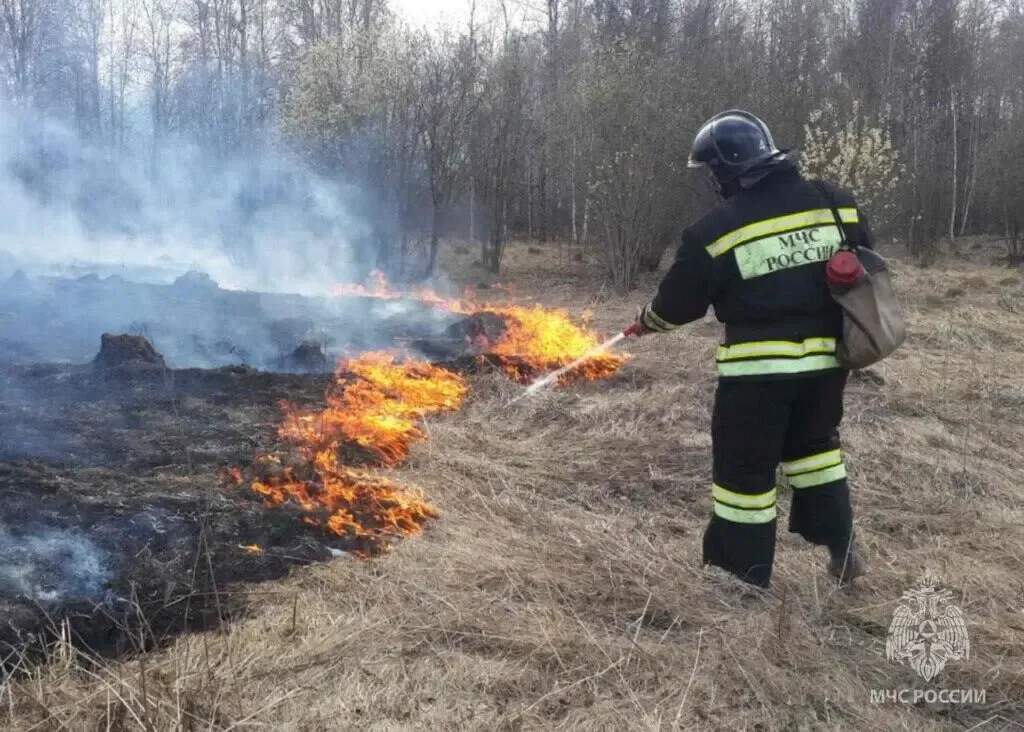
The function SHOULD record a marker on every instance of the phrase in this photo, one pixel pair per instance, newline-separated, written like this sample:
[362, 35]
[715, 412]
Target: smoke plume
[215, 260]
[262, 221]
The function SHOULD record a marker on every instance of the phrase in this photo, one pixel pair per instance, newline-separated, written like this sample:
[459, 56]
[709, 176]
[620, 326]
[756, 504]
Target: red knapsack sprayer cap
[844, 269]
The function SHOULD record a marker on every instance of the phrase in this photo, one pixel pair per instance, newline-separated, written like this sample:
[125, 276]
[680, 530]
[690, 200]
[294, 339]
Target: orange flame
[376, 403]
[350, 502]
[379, 410]
[539, 340]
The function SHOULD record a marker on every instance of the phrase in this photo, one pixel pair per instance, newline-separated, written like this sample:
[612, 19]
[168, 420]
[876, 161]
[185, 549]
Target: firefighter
[758, 259]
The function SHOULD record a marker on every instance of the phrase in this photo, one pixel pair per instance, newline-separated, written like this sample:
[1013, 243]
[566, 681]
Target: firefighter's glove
[637, 327]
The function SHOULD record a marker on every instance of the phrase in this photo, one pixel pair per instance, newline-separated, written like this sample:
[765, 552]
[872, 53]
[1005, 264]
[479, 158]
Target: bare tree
[571, 129]
[20, 21]
[448, 99]
[158, 17]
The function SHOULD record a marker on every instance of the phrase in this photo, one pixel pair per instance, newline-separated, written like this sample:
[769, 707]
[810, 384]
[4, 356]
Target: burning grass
[540, 340]
[378, 402]
[537, 339]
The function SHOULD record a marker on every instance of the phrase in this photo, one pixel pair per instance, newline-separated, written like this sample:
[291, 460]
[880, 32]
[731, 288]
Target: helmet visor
[742, 145]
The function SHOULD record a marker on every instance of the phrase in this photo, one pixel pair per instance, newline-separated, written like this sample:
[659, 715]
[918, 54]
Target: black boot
[846, 566]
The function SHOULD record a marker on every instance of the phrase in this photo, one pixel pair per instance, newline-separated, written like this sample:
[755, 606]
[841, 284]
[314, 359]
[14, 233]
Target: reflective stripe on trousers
[741, 508]
[815, 470]
[759, 358]
[808, 472]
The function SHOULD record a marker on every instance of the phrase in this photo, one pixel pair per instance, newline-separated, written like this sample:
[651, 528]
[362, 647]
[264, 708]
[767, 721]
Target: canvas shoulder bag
[861, 284]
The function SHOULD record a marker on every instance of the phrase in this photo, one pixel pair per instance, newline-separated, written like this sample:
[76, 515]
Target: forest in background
[573, 129]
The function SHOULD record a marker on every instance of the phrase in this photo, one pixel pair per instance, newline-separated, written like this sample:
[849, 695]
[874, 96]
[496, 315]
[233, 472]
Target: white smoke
[261, 221]
[52, 566]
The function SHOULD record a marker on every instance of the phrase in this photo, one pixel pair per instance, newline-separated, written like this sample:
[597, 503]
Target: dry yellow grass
[561, 588]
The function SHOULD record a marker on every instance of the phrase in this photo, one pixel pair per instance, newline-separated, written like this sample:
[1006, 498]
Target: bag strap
[843, 243]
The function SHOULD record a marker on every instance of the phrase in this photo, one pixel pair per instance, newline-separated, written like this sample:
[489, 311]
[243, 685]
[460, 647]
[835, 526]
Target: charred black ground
[115, 527]
[122, 462]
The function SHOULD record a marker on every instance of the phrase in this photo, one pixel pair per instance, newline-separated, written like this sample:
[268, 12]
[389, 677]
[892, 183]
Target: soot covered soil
[114, 522]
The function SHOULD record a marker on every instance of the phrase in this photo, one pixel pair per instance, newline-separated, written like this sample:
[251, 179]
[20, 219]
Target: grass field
[561, 587]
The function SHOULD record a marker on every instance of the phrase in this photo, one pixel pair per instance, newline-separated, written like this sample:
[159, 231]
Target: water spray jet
[554, 376]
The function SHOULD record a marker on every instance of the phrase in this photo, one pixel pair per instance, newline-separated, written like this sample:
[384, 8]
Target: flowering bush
[856, 156]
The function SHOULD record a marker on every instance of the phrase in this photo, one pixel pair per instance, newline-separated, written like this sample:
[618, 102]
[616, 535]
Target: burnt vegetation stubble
[133, 454]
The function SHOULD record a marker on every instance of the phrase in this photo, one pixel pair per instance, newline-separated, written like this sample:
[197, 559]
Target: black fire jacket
[759, 260]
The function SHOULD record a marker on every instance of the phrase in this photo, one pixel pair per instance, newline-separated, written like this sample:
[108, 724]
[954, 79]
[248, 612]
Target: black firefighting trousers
[756, 425]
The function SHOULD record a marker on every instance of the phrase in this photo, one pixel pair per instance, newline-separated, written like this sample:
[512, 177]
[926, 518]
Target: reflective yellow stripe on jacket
[784, 242]
[778, 225]
[758, 358]
[655, 322]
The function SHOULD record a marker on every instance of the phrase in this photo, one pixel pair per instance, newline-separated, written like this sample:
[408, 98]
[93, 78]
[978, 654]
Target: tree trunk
[587, 198]
[572, 189]
[1013, 238]
[435, 240]
[529, 200]
[543, 194]
[953, 204]
[472, 207]
[972, 180]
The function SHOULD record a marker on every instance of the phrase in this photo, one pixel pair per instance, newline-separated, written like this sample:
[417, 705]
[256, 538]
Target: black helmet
[730, 144]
